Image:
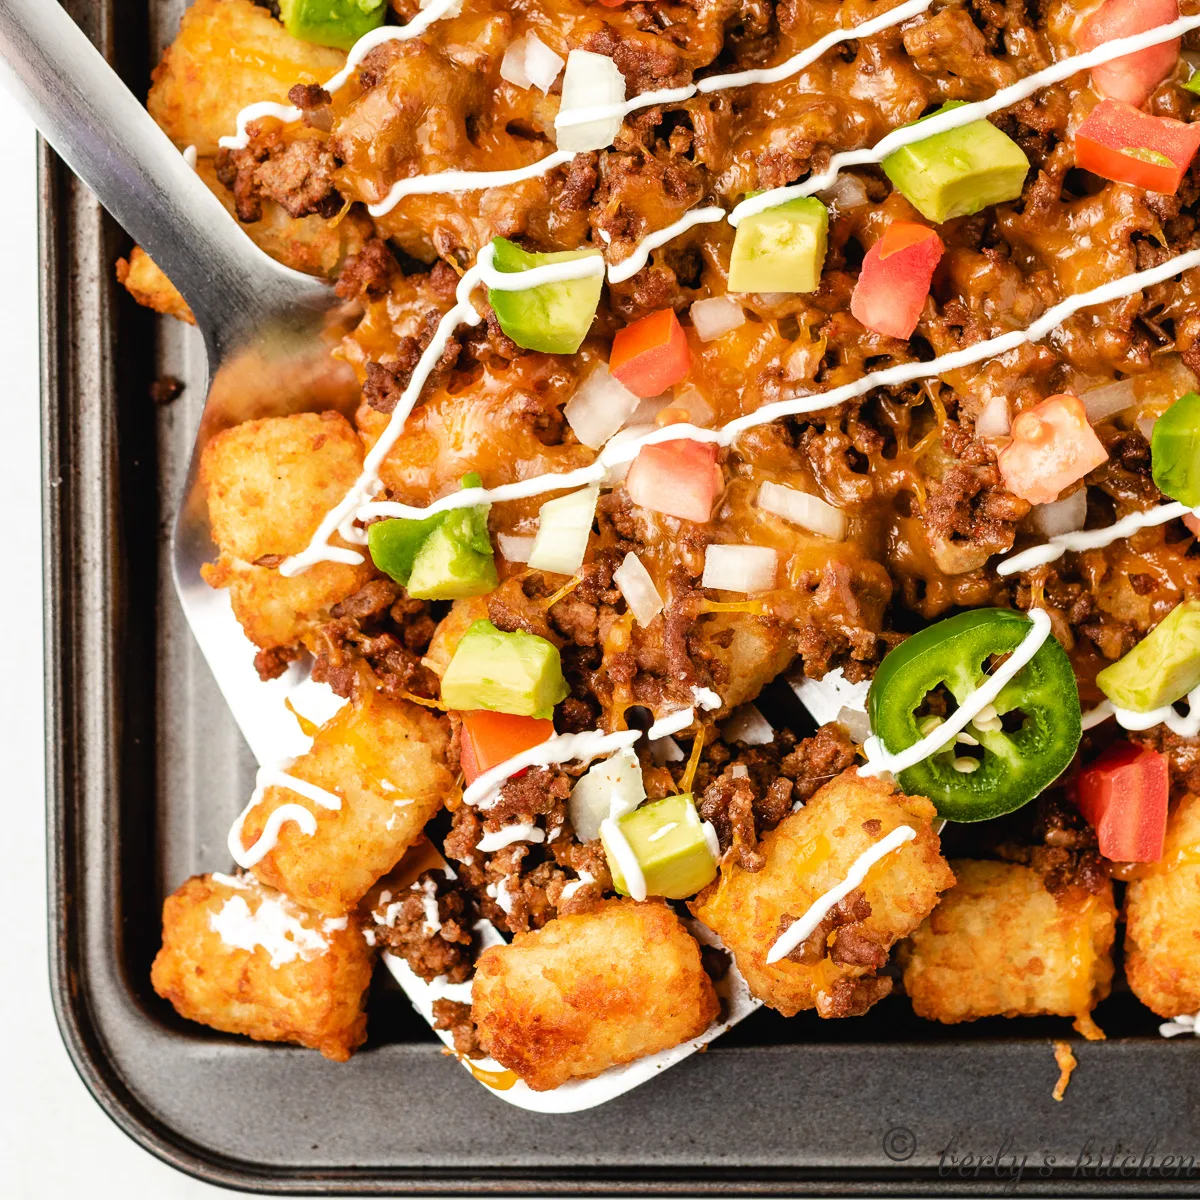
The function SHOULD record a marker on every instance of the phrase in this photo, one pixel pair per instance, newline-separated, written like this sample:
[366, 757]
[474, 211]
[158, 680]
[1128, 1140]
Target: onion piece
[611, 788]
[542, 65]
[809, 512]
[636, 585]
[995, 418]
[831, 695]
[746, 724]
[599, 408]
[1146, 426]
[739, 568]
[515, 549]
[512, 65]
[590, 80]
[700, 412]
[1112, 398]
[1060, 516]
[564, 526]
[847, 191]
[714, 318]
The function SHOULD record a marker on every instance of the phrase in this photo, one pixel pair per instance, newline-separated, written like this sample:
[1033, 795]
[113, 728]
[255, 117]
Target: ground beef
[454, 1016]
[402, 926]
[296, 173]
[368, 273]
[387, 380]
[272, 662]
[382, 631]
[853, 997]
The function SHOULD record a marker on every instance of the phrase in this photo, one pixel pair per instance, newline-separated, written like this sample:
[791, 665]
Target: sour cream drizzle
[1184, 725]
[434, 11]
[561, 748]
[797, 931]
[957, 117]
[274, 777]
[880, 759]
[1091, 539]
[276, 925]
[523, 832]
[673, 722]
[618, 845]
[626, 450]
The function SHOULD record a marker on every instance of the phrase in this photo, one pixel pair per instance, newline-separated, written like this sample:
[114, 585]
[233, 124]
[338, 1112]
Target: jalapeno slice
[1022, 747]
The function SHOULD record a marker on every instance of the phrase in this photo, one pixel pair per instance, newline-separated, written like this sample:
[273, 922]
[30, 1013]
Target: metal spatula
[263, 324]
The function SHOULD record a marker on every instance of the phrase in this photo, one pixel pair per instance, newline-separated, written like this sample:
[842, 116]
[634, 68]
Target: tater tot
[590, 991]
[1000, 944]
[142, 278]
[244, 958]
[228, 54]
[1162, 913]
[809, 853]
[269, 484]
[385, 760]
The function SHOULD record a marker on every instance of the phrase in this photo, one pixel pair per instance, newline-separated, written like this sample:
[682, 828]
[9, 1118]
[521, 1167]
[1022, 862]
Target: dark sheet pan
[146, 770]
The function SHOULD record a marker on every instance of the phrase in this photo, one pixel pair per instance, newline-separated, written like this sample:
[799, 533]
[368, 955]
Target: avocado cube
[676, 852]
[554, 317]
[1175, 451]
[1162, 668]
[338, 23]
[517, 673]
[959, 172]
[449, 567]
[781, 249]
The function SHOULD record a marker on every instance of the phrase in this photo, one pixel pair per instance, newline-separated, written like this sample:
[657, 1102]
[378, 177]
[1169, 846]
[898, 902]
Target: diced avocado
[517, 673]
[671, 846]
[1162, 668]
[444, 557]
[1193, 84]
[781, 249]
[337, 23]
[1175, 451]
[959, 172]
[553, 318]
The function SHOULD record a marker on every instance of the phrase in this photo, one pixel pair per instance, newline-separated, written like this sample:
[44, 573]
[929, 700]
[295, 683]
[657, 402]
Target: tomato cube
[1126, 145]
[488, 739]
[651, 355]
[1123, 794]
[1132, 77]
[895, 278]
[680, 478]
[1052, 446]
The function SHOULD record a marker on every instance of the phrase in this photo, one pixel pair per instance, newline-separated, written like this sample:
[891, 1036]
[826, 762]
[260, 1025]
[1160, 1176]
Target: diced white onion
[611, 788]
[739, 568]
[846, 191]
[857, 724]
[515, 549]
[830, 696]
[716, 317]
[1112, 398]
[665, 750]
[746, 724]
[1146, 426]
[563, 529]
[698, 409]
[648, 409]
[542, 65]
[590, 80]
[618, 471]
[1060, 516]
[995, 418]
[809, 512]
[638, 589]
[512, 65]
[599, 408]
[772, 298]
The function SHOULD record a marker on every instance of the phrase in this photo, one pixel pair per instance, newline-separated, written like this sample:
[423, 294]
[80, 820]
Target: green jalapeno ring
[1015, 767]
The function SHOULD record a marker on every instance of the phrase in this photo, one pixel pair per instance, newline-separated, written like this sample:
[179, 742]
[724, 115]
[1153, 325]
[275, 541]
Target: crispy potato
[1162, 913]
[754, 654]
[810, 852]
[289, 976]
[142, 278]
[1000, 944]
[591, 991]
[462, 615]
[269, 484]
[386, 760]
[229, 53]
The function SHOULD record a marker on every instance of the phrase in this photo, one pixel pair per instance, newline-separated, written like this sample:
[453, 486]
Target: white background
[54, 1140]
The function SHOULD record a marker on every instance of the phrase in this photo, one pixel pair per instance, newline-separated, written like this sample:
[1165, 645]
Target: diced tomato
[1124, 796]
[1052, 446]
[612, 3]
[1132, 78]
[895, 278]
[490, 738]
[679, 478]
[1124, 144]
[651, 355]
